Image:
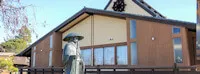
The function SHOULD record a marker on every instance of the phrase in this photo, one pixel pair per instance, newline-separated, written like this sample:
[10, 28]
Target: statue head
[73, 37]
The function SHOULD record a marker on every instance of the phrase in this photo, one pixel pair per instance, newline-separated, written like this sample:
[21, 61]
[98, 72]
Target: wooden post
[132, 71]
[63, 70]
[175, 68]
[20, 71]
[152, 71]
[114, 70]
[42, 71]
[98, 71]
[35, 71]
[85, 71]
[52, 70]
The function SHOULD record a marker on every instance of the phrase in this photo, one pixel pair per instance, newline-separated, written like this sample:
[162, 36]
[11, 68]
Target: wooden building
[198, 30]
[127, 33]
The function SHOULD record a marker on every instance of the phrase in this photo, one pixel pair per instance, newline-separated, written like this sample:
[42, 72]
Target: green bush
[7, 64]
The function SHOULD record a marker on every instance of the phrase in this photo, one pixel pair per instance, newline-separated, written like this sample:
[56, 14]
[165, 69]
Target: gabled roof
[190, 26]
[145, 6]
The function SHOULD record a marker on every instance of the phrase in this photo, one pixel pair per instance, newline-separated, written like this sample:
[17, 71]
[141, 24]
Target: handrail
[118, 67]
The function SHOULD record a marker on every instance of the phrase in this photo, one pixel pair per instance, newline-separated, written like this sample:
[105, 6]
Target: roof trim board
[190, 26]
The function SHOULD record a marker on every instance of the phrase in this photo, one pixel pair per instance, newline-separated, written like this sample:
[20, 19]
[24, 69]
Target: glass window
[98, 56]
[122, 58]
[133, 29]
[178, 56]
[34, 48]
[176, 30]
[109, 56]
[134, 53]
[87, 56]
[50, 58]
[34, 55]
[51, 41]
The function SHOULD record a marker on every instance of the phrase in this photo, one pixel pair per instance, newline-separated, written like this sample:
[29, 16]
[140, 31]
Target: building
[198, 30]
[125, 33]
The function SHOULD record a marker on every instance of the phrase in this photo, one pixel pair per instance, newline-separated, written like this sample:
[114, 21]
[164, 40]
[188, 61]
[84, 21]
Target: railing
[117, 70]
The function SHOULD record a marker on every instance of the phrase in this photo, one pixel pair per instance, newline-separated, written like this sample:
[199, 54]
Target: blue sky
[55, 12]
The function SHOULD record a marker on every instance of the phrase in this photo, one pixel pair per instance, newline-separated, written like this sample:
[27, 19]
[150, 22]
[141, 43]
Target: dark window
[176, 30]
[178, 55]
[87, 56]
[122, 58]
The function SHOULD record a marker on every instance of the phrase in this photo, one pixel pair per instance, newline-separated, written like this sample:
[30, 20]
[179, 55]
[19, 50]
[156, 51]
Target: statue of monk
[72, 56]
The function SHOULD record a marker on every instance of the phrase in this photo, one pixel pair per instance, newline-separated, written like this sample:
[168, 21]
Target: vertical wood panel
[158, 52]
[128, 40]
[57, 50]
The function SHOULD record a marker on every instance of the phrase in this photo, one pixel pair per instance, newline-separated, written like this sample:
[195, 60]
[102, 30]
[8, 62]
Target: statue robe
[72, 59]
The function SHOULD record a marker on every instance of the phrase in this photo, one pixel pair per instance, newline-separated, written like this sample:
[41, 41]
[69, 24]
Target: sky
[56, 12]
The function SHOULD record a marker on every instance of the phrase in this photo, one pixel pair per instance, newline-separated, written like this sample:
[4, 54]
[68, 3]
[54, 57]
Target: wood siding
[158, 52]
[101, 30]
[82, 28]
[43, 49]
[108, 30]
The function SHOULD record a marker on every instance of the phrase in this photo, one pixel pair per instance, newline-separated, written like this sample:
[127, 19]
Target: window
[34, 54]
[109, 56]
[104, 56]
[34, 48]
[134, 53]
[133, 29]
[122, 58]
[176, 30]
[87, 56]
[178, 56]
[51, 41]
[50, 58]
[98, 56]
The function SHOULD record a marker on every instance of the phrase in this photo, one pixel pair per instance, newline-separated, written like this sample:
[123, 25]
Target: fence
[116, 70]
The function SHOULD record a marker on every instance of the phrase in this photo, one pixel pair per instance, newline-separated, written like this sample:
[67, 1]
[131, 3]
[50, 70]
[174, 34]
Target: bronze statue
[72, 55]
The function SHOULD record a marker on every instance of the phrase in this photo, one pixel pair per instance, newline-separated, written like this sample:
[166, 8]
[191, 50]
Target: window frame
[173, 29]
[34, 56]
[106, 45]
[91, 57]
[117, 55]
[130, 29]
[175, 52]
[50, 58]
[131, 40]
[51, 42]
[131, 53]
[113, 55]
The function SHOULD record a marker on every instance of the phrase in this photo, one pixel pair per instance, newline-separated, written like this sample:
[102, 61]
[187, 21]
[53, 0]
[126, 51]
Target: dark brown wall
[158, 52]
[42, 53]
[192, 47]
[57, 51]
[43, 49]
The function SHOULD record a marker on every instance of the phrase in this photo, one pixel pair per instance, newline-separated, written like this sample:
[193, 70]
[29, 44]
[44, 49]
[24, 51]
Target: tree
[13, 16]
[7, 64]
[18, 43]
